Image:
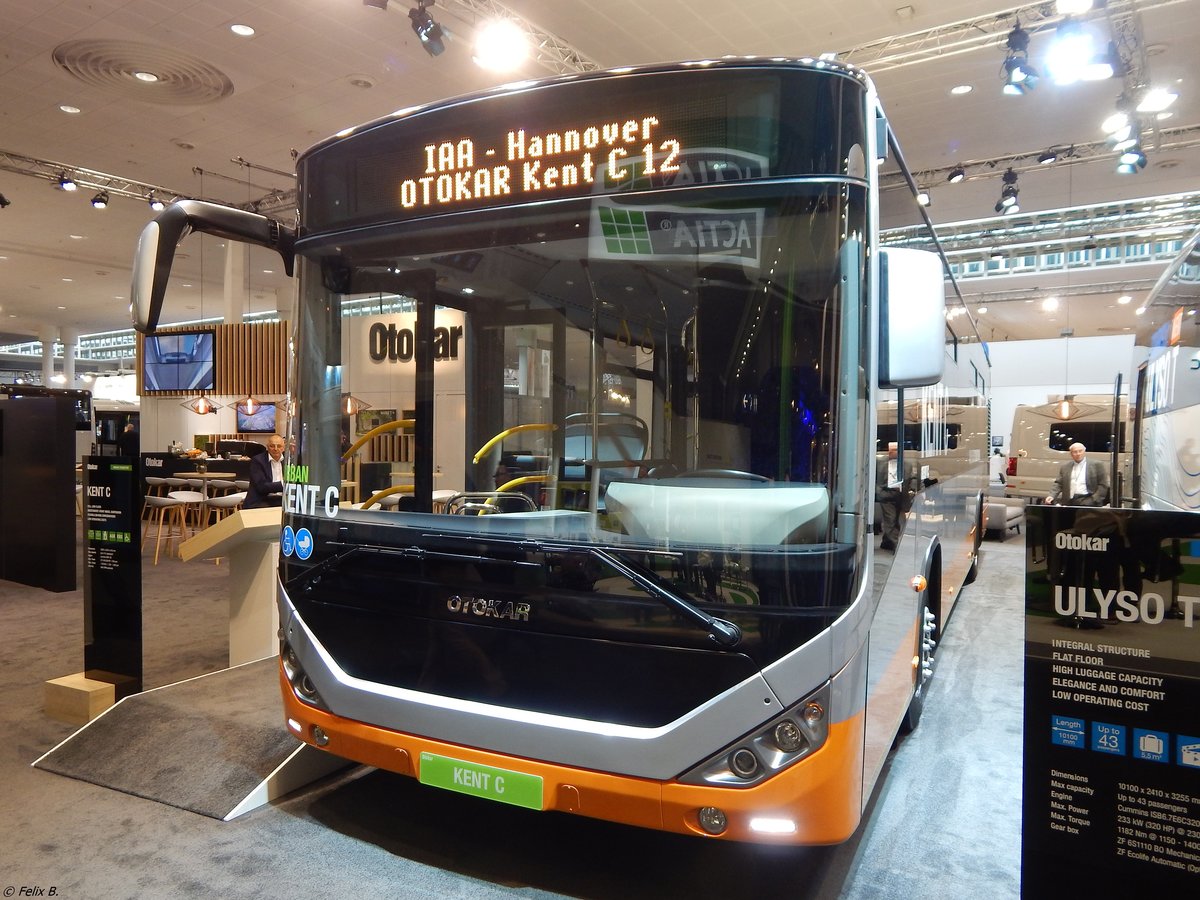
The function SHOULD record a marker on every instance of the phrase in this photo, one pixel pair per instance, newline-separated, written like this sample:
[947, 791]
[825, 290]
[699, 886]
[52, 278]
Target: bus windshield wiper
[723, 632]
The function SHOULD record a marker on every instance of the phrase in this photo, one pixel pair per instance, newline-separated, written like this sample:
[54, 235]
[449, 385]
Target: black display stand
[1111, 794]
[112, 583]
[37, 489]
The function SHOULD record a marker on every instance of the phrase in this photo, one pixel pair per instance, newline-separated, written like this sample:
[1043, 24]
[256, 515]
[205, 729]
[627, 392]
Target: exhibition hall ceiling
[229, 112]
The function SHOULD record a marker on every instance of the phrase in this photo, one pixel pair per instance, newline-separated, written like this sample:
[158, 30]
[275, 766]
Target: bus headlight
[787, 738]
[302, 685]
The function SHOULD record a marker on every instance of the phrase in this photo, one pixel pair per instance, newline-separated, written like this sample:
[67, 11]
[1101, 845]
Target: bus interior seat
[618, 436]
[717, 511]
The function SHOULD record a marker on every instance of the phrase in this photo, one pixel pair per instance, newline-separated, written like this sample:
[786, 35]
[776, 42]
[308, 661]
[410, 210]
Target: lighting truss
[990, 31]
[1184, 137]
[90, 179]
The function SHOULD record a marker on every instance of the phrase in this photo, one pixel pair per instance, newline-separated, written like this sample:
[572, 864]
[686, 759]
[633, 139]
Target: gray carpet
[202, 745]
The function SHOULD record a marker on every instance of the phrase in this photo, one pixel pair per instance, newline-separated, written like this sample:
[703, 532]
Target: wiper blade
[723, 632]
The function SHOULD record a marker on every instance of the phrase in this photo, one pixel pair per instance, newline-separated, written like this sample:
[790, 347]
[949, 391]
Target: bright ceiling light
[69, 109]
[1114, 123]
[982, 310]
[100, 201]
[242, 30]
[923, 197]
[1124, 299]
[156, 204]
[1048, 157]
[148, 77]
[960, 89]
[67, 183]
[1156, 100]
[957, 174]
[1050, 304]
[501, 45]
[1070, 52]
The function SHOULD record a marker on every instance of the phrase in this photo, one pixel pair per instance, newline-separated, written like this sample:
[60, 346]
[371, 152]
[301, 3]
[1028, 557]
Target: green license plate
[516, 788]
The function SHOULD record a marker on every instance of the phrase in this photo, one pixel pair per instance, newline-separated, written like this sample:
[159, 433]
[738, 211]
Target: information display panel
[1111, 796]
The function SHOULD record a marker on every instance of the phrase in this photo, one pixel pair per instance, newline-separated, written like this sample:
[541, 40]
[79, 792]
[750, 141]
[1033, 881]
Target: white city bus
[629, 331]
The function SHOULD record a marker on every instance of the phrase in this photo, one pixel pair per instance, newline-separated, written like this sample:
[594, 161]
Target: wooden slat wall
[251, 359]
[390, 448]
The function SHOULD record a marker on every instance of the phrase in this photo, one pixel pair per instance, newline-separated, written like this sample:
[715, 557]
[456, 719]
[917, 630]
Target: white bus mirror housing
[912, 318]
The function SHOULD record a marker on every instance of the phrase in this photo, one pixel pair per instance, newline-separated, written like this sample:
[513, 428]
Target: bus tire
[928, 634]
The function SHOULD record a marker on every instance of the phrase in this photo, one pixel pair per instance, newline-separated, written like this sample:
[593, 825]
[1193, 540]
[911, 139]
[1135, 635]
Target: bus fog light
[320, 738]
[713, 820]
[814, 714]
[743, 763]
[788, 736]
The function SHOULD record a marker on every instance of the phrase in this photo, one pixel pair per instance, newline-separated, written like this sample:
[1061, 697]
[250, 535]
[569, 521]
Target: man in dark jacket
[1081, 482]
[266, 476]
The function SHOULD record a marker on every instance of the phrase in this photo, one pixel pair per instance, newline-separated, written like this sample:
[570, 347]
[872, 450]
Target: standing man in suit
[1080, 482]
[894, 492]
[266, 476]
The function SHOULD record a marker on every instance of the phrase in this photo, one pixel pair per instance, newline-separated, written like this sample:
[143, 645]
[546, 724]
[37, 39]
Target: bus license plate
[516, 788]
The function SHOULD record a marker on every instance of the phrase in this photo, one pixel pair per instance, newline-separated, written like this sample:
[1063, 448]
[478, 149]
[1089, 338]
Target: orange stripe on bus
[822, 793]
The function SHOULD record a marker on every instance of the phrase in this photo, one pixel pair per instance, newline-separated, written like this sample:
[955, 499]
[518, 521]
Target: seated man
[266, 476]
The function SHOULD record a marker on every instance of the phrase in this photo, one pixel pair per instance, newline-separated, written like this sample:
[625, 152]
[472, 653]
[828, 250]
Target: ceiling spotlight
[156, 204]
[1048, 157]
[429, 32]
[957, 174]
[923, 197]
[100, 201]
[1019, 76]
[1156, 100]
[67, 183]
[1131, 161]
[1070, 53]
[1007, 203]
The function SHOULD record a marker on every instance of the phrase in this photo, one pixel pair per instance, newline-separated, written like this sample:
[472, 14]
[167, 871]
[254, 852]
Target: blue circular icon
[304, 543]
[287, 540]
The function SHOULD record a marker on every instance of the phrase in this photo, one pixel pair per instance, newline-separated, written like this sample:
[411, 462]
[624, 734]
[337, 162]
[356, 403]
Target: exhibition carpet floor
[945, 823]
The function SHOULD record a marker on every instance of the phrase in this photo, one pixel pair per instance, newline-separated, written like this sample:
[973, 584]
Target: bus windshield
[660, 376]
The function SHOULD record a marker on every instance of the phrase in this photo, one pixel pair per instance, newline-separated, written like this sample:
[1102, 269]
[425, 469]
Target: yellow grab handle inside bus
[516, 429]
[375, 432]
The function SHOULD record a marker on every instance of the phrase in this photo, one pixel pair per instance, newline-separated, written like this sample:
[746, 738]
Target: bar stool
[155, 487]
[225, 505]
[192, 501]
[169, 511]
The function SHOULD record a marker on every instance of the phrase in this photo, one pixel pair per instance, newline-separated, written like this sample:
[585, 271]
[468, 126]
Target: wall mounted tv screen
[179, 361]
[261, 421]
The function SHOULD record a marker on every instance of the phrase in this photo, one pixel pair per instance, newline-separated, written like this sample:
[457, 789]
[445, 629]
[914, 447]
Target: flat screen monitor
[261, 421]
[179, 361]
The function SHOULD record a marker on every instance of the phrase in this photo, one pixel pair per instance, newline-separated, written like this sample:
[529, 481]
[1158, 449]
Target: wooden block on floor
[78, 699]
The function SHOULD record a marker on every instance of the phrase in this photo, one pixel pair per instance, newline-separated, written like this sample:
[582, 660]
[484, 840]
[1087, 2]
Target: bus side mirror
[912, 318]
[156, 249]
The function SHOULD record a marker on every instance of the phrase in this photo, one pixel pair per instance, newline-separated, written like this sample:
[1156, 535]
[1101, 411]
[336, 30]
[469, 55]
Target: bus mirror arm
[155, 252]
[723, 632]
